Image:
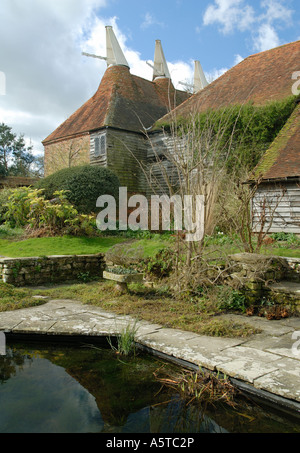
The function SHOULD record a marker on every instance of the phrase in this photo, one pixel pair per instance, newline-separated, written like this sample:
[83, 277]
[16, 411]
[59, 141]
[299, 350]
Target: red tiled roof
[122, 101]
[282, 160]
[260, 78]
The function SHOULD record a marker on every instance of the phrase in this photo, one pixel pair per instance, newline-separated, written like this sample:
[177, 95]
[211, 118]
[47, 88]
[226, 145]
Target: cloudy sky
[44, 78]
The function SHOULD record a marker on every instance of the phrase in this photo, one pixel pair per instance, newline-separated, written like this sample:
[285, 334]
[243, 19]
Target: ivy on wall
[247, 130]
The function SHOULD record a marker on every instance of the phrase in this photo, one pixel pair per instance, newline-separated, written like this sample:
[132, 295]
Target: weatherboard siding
[98, 156]
[282, 202]
[127, 157]
[164, 150]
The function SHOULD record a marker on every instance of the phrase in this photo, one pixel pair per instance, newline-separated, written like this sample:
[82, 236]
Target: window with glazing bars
[100, 145]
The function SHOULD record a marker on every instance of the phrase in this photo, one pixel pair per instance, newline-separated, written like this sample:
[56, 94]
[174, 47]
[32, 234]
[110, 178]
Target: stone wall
[269, 277]
[50, 269]
[293, 271]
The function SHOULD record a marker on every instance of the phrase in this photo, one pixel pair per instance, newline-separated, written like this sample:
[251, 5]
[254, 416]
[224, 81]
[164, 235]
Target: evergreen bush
[82, 185]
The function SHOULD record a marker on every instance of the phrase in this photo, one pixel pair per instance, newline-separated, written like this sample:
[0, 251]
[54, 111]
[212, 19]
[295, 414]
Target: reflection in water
[76, 389]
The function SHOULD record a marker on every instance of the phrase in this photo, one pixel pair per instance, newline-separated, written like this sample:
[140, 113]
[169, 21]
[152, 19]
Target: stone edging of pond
[264, 366]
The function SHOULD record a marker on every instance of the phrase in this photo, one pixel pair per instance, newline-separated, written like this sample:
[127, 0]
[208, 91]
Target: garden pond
[84, 388]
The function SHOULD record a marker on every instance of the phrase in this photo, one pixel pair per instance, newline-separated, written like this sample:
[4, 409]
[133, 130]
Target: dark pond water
[54, 389]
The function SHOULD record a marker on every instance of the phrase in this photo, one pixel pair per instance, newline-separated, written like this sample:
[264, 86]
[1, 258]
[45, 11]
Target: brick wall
[67, 153]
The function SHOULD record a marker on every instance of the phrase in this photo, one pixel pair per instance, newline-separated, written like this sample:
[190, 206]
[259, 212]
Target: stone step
[286, 287]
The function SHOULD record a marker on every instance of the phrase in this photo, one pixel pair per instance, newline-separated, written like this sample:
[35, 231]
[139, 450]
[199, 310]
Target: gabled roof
[122, 101]
[282, 159]
[260, 78]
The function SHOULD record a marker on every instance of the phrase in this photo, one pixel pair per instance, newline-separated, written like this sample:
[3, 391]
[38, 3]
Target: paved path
[268, 361]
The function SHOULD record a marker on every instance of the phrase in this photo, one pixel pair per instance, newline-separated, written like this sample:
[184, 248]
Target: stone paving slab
[266, 360]
[270, 328]
[281, 346]
[282, 383]
[247, 364]
[286, 287]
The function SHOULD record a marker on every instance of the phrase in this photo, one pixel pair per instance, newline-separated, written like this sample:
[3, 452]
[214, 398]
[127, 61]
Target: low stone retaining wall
[293, 271]
[257, 274]
[50, 269]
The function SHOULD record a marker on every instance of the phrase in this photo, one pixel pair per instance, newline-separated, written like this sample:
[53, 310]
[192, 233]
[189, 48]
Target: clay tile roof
[282, 159]
[122, 101]
[260, 78]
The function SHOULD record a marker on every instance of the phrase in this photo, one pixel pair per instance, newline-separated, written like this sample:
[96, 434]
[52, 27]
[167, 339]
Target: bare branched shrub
[189, 157]
[246, 213]
[124, 255]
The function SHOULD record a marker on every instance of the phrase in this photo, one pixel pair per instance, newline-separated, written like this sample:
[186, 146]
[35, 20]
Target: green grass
[68, 245]
[65, 245]
[150, 246]
[12, 246]
[282, 251]
[12, 298]
[10, 233]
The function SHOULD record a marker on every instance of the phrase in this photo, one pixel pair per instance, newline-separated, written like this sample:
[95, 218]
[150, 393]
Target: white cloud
[42, 62]
[275, 10]
[238, 15]
[230, 14]
[267, 36]
[266, 39]
[238, 59]
[216, 73]
[150, 20]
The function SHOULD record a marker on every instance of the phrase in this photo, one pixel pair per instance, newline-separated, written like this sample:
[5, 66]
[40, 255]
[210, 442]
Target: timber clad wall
[98, 148]
[126, 155]
[167, 149]
[285, 199]
[67, 153]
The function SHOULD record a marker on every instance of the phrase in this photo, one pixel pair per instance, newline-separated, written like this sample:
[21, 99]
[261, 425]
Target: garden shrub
[4, 194]
[17, 207]
[28, 207]
[82, 185]
[231, 299]
[161, 265]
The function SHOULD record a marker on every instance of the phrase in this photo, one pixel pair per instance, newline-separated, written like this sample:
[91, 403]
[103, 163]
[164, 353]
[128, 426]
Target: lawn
[65, 245]
[69, 245]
